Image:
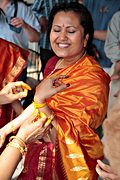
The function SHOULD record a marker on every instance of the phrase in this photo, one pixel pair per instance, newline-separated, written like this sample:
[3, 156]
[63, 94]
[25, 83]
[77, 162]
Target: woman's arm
[33, 34]
[100, 35]
[11, 156]
[44, 90]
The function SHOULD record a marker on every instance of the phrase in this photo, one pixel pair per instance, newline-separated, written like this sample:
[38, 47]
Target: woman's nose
[63, 35]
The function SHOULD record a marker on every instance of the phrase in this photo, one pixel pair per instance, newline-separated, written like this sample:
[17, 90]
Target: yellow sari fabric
[80, 110]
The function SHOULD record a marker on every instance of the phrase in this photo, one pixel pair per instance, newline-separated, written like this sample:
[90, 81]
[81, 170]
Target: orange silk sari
[12, 62]
[80, 110]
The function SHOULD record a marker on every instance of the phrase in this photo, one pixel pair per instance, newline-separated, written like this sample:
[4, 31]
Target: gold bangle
[17, 145]
[12, 127]
[19, 139]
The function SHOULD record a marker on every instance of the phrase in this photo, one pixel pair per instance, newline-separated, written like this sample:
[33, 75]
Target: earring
[84, 44]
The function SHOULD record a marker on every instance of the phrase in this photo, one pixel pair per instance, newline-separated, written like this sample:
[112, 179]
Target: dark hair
[85, 19]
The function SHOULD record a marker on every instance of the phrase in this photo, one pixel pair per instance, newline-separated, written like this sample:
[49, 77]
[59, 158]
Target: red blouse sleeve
[50, 65]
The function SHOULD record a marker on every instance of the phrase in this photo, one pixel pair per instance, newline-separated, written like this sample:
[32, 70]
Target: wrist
[18, 142]
[39, 100]
[22, 135]
[25, 25]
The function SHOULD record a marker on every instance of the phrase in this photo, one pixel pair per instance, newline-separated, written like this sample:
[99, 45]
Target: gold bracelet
[12, 127]
[17, 145]
[37, 105]
[19, 139]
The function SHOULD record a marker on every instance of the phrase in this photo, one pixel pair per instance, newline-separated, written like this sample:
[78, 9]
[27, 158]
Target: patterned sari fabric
[80, 110]
[12, 62]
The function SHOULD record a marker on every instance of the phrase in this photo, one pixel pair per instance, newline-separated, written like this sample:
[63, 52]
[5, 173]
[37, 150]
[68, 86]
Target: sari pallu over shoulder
[79, 110]
[12, 61]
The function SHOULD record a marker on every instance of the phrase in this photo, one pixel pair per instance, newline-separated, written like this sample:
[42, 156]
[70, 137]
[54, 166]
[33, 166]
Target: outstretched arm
[11, 156]
[44, 90]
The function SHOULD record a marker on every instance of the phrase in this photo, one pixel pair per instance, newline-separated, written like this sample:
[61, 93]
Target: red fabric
[50, 65]
[35, 168]
[12, 61]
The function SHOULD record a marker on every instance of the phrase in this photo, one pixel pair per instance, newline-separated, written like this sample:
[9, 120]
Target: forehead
[68, 17]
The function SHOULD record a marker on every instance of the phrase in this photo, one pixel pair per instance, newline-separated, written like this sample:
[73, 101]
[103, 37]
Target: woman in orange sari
[72, 146]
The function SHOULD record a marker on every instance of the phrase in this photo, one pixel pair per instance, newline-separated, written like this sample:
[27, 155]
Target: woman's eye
[56, 30]
[71, 31]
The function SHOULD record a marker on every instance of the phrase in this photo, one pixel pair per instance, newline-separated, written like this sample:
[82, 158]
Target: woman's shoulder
[90, 61]
[92, 66]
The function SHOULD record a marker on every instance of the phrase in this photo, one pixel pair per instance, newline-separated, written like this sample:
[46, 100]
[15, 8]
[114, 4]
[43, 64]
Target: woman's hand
[33, 130]
[30, 130]
[13, 91]
[48, 87]
[17, 22]
[105, 171]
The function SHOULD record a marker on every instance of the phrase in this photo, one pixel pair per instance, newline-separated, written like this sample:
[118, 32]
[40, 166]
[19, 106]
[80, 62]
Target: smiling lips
[63, 45]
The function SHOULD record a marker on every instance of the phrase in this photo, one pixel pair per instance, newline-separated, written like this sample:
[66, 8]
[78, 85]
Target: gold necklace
[61, 60]
[58, 63]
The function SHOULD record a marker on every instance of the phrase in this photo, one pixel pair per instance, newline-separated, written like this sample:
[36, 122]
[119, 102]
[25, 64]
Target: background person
[102, 12]
[111, 129]
[113, 53]
[23, 19]
[112, 50]
[18, 25]
[79, 109]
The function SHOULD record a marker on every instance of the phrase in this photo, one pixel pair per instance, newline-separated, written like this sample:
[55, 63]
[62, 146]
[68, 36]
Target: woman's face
[67, 35]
